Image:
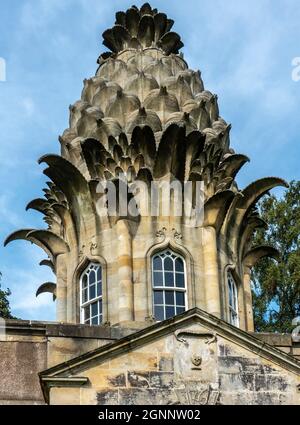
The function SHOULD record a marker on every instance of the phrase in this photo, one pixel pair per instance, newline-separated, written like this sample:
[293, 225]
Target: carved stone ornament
[209, 336]
[164, 234]
[196, 394]
[196, 360]
[177, 235]
[93, 248]
[161, 234]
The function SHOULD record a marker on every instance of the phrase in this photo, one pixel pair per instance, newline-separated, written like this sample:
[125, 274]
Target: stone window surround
[172, 288]
[189, 271]
[231, 269]
[77, 285]
[96, 299]
[233, 307]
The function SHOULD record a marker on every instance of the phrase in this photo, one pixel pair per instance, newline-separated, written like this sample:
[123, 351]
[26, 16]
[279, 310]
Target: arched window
[232, 301]
[169, 285]
[91, 295]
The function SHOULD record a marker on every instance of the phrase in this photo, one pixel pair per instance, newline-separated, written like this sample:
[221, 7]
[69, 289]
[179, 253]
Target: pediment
[194, 358]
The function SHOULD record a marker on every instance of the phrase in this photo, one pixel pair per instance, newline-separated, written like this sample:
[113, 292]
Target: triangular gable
[175, 325]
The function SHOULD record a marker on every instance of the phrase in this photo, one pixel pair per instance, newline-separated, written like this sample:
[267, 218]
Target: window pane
[180, 280]
[233, 302]
[169, 279]
[100, 306]
[84, 281]
[180, 298]
[157, 263]
[234, 306]
[158, 297]
[168, 272]
[158, 279]
[179, 265]
[170, 312]
[230, 292]
[85, 295]
[180, 310]
[86, 312]
[234, 296]
[95, 320]
[92, 292]
[169, 297]
[159, 313]
[92, 277]
[95, 309]
[168, 264]
[91, 289]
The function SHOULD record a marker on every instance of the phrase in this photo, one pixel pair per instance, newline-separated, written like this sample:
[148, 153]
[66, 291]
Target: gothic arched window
[169, 285]
[232, 300]
[91, 295]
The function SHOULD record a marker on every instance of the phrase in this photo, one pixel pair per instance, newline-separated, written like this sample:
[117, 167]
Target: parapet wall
[27, 348]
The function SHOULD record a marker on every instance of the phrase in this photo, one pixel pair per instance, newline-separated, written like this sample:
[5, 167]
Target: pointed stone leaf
[146, 30]
[47, 287]
[259, 252]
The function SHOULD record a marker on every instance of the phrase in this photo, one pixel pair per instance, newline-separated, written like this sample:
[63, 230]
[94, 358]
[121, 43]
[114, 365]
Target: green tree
[4, 303]
[276, 286]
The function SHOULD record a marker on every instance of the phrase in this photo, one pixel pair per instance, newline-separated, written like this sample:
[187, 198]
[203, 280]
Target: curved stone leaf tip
[47, 287]
[259, 252]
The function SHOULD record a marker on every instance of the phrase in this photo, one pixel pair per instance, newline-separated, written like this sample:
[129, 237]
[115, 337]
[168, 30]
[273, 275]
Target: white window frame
[97, 299]
[233, 301]
[165, 288]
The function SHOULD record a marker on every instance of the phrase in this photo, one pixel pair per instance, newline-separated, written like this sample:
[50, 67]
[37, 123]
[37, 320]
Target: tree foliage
[276, 286]
[5, 312]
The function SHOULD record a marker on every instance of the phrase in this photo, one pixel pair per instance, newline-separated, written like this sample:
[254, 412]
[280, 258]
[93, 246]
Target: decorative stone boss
[145, 119]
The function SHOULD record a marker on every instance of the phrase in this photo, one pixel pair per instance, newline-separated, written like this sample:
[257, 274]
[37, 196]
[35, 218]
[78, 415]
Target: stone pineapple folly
[145, 116]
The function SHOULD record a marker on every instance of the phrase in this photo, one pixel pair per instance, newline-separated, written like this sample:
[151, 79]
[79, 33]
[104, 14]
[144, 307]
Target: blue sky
[244, 50]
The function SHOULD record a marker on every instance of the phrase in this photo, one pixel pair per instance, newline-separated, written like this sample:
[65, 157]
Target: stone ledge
[277, 340]
[66, 330]
[24, 327]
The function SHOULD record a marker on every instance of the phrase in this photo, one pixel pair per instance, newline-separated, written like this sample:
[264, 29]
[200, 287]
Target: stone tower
[146, 117]
[163, 273]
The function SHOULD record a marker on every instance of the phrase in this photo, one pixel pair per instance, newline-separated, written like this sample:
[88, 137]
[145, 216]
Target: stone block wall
[27, 348]
[23, 354]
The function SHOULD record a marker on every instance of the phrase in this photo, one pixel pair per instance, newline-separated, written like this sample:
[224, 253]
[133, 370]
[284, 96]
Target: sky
[244, 50]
